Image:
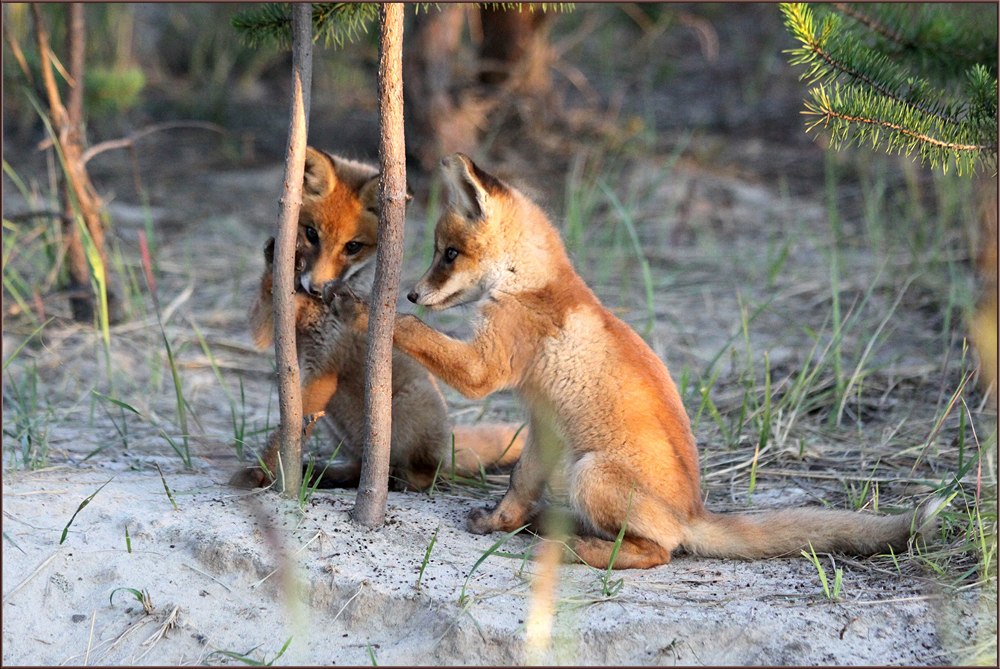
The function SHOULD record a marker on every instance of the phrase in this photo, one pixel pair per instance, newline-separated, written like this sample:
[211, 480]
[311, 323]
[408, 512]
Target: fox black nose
[413, 296]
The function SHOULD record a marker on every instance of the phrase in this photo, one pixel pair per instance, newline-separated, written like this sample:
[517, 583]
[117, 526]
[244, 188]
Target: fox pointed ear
[368, 194]
[320, 177]
[469, 188]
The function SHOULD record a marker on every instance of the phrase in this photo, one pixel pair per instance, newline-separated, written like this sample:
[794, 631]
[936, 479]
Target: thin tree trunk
[76, 46]
[78, 195]
[74, 146]
[369, 508]
[289, 474]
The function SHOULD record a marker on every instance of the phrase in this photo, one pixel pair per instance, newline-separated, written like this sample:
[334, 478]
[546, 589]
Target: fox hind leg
[633, 553]
[606, 498]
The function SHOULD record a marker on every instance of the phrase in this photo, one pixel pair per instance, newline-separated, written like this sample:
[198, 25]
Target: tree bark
[369, 508]
[289, 474]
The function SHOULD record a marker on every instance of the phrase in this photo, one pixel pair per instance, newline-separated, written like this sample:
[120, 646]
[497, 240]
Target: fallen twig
[30, 576]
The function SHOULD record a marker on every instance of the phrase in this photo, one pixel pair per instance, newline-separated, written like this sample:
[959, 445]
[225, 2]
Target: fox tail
[486, 446]
[786, 532]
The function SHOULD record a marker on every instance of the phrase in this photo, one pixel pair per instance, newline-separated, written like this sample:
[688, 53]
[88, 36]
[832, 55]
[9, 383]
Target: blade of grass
[647, 276]
[147, 265]
[118, 403]
[856, 375]
[462, 597]
[20, 346]
[83, 505]
[427, 556]
[611, 588]
[98, 276]
[939, 423]
[140, 596]
[249, 661]
[166, 488]
[238, 427]
[814, 559]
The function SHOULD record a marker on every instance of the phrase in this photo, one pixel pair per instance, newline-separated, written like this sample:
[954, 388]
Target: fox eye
[450, 254]
[312, 235]
[373, 211]
[352, 247]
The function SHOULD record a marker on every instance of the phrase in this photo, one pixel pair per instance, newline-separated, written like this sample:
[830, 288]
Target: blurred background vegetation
[155, 62]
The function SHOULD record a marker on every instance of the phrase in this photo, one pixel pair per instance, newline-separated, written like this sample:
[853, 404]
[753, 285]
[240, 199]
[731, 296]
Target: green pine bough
[336, 23]
[917, 80]
[333, 22]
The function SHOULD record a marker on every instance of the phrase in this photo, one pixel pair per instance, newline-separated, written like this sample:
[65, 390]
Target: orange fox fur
[336, 241]
[596, 394]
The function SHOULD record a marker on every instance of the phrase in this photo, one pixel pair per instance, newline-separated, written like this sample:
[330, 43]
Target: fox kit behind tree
[336, 242]
[595, 393]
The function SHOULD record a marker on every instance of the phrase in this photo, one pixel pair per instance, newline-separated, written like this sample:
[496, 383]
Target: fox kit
[336, 242]
[596, 394]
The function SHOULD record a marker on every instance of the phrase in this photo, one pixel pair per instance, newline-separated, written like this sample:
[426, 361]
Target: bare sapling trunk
[289, 474]
[369, 508]
[78, 195]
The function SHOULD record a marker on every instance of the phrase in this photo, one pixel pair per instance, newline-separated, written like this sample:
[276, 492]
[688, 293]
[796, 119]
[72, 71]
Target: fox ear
[469, 188]
[320, 177]
[368, 194]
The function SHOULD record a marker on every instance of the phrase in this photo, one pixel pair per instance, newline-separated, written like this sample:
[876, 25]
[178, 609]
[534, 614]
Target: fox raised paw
[346, 304]
[300, 262]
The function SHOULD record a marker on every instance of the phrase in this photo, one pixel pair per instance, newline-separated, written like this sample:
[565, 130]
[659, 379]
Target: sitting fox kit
[595, 393]
[336, 242]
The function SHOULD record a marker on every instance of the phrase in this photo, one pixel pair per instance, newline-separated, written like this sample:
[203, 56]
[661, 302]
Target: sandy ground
[230, 570]
[244, 572]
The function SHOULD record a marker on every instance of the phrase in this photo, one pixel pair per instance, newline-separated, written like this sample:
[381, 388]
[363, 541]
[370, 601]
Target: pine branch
[862, 97]
[874, 25]
[532, 6]
[333, 22]
[847, 56]
[941, 39]
[339, 22]
[855, 116]
[265, 24]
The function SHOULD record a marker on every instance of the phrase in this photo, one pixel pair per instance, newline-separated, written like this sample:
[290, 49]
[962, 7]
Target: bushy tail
[786, 532]
[487, 446]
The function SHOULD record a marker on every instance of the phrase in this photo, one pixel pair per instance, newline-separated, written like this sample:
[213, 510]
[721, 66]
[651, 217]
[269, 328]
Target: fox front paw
[300, 262]
[480, 521]
[504, 517]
